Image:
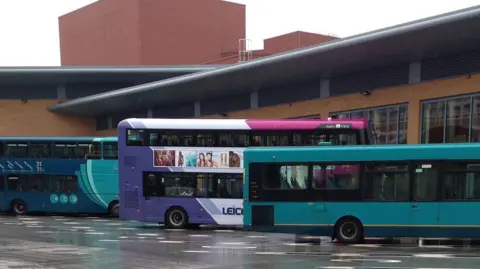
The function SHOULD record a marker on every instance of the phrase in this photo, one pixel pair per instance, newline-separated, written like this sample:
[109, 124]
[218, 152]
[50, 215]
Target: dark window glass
[2, 183]
[95, 151]
[110, 150]
[433, 122]
[14, 184]
[202, 185]
[336, 176]
[458, 120]
[270, 140]
[39, 183]
[462, 182]
[403, 124]
[205, 139]
[137, 137]
[64, 184]
[476, 120]
[39, 150]
[16, 149]
[425, 182]
[80, 150]
[386, 182]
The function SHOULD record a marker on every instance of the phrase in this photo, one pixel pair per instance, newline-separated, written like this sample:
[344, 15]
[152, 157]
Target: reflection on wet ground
[60, 242]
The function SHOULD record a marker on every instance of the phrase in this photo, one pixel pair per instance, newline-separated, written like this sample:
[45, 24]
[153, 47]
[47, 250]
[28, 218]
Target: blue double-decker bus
[58, 175]
[352, 192]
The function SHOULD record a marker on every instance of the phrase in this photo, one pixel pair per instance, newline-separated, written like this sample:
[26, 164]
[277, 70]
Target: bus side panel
[100, 182]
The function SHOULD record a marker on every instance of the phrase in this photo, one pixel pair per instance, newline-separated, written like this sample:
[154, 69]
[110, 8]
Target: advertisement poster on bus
[199, 159]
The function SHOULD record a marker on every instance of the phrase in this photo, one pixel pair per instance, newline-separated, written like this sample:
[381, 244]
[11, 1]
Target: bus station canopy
[405, 43]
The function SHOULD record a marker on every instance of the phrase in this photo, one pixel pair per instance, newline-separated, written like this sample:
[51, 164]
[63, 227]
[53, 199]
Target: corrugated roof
[413, 41]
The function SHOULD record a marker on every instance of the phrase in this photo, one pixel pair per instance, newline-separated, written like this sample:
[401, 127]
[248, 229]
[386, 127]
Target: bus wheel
[19, 207]
[349, 230]
[114, 209]
[176, 218]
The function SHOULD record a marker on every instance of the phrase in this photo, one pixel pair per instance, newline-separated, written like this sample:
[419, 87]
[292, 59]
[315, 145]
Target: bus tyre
[19, 207]
[176, 218]
[349, 230]
[114, 209]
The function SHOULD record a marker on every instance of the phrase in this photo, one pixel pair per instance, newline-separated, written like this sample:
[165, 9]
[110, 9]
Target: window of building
[454, 120]
[389, 123]
[386, 182]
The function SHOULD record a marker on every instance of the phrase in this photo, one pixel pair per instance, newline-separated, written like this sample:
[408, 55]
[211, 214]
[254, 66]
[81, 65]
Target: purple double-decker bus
[190, 171]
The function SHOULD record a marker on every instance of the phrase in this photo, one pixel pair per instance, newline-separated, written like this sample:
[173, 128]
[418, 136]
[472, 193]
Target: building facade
[427, 96]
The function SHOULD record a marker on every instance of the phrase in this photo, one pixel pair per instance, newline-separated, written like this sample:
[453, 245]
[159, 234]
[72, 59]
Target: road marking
[171, 242]
[196, 251]
[297, 244]
[148, 234]
[34, 226]
[257, 236]
[108, 240]
[432, 255]
[71, 223]
[270, 253]
[233, 243]
[127, 228]
[81, 227]
[349, 255]
[231, 247]
[94, 233]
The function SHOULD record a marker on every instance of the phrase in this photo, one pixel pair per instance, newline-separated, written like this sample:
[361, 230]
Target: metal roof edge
[400, 29]
[106, 69]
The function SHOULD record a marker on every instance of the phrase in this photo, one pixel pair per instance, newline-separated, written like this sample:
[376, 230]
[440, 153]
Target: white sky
[29, 28]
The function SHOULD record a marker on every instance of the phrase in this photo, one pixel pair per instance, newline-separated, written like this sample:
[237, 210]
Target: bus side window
[15, 184]
[238, 139]
[95, 152]
[79, 151]
[39, 150]
[110, 150]
[15, 149]
[60, 150]
[137, 138]
[65, 184]
[2, 149]
[38, 183]
[386, 182]
[2, 183]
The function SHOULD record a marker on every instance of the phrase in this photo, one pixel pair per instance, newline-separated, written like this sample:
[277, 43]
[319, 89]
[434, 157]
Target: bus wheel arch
[19, 207]
[114, 208]
[176, 217]
[348, 230]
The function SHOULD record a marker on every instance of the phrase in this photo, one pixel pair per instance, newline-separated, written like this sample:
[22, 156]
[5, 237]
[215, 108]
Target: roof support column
[254, 100]
[110, 123]
[61, 93]
[415, 73]
[196, 110]
[149, 113]
[324, 88]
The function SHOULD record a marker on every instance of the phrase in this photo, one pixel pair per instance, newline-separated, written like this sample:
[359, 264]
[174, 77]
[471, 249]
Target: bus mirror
[325, 143]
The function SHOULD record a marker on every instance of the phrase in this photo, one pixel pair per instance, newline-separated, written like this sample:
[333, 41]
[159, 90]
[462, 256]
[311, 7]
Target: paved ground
[59, 242]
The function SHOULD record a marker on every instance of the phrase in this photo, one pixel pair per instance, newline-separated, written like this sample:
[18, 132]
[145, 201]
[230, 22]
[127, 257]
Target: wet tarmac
[61, 242]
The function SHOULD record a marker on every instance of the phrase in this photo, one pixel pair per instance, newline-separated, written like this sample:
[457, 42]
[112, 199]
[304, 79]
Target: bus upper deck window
[136, 137]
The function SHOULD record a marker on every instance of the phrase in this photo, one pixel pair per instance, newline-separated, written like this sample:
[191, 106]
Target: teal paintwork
[380, 219]
[99, 178]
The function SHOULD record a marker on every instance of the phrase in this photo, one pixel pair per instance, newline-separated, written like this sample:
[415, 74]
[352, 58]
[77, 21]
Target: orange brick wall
[33, 119]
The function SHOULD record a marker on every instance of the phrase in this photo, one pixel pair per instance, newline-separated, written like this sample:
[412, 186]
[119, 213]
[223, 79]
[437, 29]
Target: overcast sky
[29, 28]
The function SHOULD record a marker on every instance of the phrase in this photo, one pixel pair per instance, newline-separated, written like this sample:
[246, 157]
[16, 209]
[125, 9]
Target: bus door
[424, 211]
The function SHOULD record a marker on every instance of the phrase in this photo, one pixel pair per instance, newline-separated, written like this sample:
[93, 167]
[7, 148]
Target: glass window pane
[335, 176]
[403, 124]
[476, 120]
[385, 124]
[433, 122]
[425, 184]
[458, 120]
[386, 183]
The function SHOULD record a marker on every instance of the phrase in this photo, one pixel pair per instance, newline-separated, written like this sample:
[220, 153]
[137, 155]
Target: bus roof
[243, 124]
[364, 153]
[48, 138]
[106, 139]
